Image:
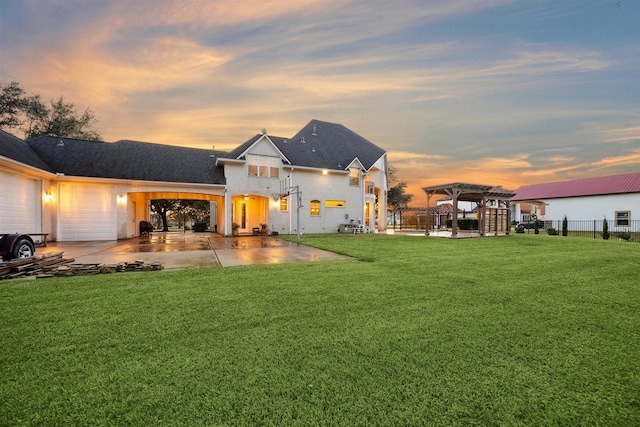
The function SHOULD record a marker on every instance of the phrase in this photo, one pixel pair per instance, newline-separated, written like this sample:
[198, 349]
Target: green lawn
[525, 330]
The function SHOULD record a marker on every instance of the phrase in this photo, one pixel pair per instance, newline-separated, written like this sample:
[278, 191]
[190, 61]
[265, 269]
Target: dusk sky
[493, 92]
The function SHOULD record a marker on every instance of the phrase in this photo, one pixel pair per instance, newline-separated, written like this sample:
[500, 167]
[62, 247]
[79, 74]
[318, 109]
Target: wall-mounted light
[47, 196]
[324, 171]
[121, 199]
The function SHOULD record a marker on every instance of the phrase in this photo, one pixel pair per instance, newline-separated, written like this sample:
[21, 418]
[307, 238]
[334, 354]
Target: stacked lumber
[31, 266]
[54, 265]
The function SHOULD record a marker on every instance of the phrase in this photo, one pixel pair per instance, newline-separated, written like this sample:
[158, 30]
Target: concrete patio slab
[190, 250]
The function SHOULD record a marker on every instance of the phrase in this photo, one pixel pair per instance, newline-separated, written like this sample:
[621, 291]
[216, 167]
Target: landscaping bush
[624, 236]
[200, 226]
[605, 229]
[464, 224]
[565, 226]
[520, 229]
[552, 231]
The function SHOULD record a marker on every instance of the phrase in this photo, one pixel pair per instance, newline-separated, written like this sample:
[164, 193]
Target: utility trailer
[16, 246]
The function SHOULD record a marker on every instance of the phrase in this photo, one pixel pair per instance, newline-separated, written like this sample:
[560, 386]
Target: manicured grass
[525, 330]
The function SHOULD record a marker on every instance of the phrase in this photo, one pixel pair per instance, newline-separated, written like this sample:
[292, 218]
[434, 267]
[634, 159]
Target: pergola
[480, 194]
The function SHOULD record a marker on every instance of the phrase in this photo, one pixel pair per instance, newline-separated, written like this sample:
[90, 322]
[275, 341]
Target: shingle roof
[16, 149]
[327, 145]
[319, 144]
[128, 160]
[614, 184]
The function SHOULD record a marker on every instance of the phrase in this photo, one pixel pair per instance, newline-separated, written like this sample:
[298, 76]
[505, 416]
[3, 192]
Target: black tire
[23, 249]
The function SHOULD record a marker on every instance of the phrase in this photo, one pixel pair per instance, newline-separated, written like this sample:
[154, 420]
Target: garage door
[20, 209]
[87, 212]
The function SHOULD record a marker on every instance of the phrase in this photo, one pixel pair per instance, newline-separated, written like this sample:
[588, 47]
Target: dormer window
[354, 177]
[263, 166]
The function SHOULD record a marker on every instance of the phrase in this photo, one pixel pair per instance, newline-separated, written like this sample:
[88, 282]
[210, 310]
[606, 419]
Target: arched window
[314, 208]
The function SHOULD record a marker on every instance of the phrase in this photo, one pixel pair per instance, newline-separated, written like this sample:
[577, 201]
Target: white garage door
[87, 212]
[20, 207]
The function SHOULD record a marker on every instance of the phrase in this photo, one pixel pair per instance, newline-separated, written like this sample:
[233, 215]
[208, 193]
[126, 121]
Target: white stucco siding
[593, 207]
[21, 206]
[87, 212]
[333, 186]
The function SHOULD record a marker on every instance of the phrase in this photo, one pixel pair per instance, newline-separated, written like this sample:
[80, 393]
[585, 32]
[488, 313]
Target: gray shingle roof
[328, 146]
[319, 144]
[128, 160]
[16, 149]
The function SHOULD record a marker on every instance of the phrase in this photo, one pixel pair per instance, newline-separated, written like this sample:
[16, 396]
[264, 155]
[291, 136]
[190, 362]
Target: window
[335, 203]
[252, 166]
[623, 218]
[263, 166]
[284, 204]
[354, 177]
[314, 207]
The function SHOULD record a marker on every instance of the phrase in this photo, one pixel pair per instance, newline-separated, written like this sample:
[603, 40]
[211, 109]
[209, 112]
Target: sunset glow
[492, 92]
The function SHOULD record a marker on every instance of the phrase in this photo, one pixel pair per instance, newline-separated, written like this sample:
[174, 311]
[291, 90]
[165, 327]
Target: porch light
[47, 197]
[121, 199]
[324, 171]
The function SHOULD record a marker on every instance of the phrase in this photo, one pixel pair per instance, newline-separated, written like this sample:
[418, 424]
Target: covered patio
[493, 206]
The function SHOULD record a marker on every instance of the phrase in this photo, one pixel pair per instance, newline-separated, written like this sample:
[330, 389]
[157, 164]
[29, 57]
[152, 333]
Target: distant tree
[396, 196]
[565, 226]
[12, 104]
[162, 207]
[35, 118]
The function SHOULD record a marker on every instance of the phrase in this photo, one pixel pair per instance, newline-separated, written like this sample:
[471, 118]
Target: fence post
[594, 228]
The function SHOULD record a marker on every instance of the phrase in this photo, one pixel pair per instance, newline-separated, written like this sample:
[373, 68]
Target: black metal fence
[593, 229]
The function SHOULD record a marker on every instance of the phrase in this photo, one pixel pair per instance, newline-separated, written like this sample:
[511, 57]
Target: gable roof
[17, 150]
[128, 160]
[240, 151]
[327, 145]
[614, 184]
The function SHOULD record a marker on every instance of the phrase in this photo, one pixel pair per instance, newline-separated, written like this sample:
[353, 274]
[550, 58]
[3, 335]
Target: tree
[162, 207]
[605, 229]
[565, 226]
[12, 104]
[396, 197]
[35, 118]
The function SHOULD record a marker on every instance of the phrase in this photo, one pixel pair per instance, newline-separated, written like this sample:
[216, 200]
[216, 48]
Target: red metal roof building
[615, 184]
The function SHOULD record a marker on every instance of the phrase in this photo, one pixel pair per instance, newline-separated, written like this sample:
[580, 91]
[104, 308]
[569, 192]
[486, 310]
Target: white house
[616, 198]
[77, 190]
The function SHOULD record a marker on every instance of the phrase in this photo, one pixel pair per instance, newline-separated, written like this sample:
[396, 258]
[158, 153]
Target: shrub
[536, 226]
[520, 229]
[605, 229]
[552, 231]
[464, 223]
[200, 226]
[624, 236]
[565, 226]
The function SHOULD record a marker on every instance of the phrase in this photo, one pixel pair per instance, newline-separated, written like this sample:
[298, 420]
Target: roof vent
[264, 131]
[314, 131]
[213, 151]
[285, 141]
[61, 143]
[302, 140]
[339, 165]
[313, 149]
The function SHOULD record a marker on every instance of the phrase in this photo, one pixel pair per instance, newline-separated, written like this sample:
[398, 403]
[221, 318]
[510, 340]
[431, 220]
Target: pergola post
[426, 228]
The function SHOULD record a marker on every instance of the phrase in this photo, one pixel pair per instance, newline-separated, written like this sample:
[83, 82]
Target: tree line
[34, 117]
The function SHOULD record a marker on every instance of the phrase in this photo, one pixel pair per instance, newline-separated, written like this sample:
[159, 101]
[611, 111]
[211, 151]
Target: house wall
[593, 207]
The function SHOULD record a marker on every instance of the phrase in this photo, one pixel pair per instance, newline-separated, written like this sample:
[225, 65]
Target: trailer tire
[23, 249]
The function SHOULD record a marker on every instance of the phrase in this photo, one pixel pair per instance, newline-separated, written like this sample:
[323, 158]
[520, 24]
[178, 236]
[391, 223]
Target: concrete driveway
[189, 249]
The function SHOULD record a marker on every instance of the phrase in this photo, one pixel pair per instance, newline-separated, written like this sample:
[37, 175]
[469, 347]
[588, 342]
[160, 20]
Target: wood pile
[54, 265]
